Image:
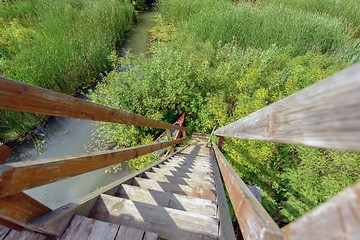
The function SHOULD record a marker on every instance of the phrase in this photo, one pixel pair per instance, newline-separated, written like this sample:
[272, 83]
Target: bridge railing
[327, 115]
[17, 208]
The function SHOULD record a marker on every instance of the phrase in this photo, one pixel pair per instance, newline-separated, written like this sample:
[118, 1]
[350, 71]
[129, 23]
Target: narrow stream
[69, 137]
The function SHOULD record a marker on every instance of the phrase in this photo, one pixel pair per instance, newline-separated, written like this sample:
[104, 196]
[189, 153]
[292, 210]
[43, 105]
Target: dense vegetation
[219, 61]
[59, 45]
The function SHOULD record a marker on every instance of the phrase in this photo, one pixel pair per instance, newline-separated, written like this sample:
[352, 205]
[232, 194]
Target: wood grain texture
[166, 199]
[326, 114]
[195, 192]
[10, 225]
[18, 96]
[338, 218]
[3, 232]
[20, 208]
[16, 177]
[179, 180]
[167, 222]
[128, 233]
[150, 236]
[254, 221]
[79, 228]
[5, 152]
[226, 230]
[103, 230]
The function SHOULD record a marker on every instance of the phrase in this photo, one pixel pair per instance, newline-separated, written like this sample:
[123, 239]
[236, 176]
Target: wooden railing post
[220, 142]
[5, 152]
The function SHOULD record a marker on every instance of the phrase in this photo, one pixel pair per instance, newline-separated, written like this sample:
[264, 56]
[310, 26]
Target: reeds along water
[59, 45]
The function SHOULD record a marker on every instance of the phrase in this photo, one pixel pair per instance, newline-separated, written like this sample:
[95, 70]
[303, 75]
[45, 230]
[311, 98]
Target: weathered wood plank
[325, 114]
[13, 235]
[150, 236]
[338, 218]
[179, 180]
[166, 199]
[168, 223]
[17, 177]
[195, 192]
[199, 177]
[10, 225]
[128, 233]
[103, 230]
[254, 221]
[5, 152]
[20, 208]
[3, 232]
[55, 222]
[226, 230]
[24, 97]
[79, 228]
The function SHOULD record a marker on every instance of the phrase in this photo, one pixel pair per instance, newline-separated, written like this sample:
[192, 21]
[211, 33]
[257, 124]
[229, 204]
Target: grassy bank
[59, 45]
[219, 82]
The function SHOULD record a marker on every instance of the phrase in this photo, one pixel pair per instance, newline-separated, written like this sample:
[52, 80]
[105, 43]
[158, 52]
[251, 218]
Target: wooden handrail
[18, 96]
[254, 221]
[338, 218]
[326, 114]
[17, 177]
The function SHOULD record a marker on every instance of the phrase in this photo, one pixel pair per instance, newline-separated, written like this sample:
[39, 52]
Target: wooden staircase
[175, 199]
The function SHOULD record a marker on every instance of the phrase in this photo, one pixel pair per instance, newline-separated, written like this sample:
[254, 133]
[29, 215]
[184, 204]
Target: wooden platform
[178, 198]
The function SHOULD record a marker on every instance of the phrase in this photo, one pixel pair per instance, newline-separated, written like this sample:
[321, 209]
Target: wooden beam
[22, 97]
[338, 218]
[10, 225]
[325, 114]
[17, 177]
[20, 208]
[254, 221]
[5, 152]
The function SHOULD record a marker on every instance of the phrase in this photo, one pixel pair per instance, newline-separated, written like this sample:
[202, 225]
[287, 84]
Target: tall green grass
[251, 26]
[59, 45]
[347, 11]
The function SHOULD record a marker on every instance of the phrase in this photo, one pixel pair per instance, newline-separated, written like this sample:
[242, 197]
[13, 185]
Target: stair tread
[167, 222]
[186, 169]
[195, 192]
[166, 199]
[9, 234]
[205, 177]
[179, 180]
[86, 228]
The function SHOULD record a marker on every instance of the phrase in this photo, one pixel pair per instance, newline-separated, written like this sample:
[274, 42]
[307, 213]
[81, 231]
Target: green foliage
[59, 45]
[347, 11]
[252, 26]
[216, 86]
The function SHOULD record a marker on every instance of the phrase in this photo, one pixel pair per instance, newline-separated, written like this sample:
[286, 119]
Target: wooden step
[8, 234]
[194, 192]
[199, 171]
[190, 162]
[194, 176]
[182, 167]
[91, 229]
[205, 160]
[179, 180]
[167, 222]
[166, 199]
